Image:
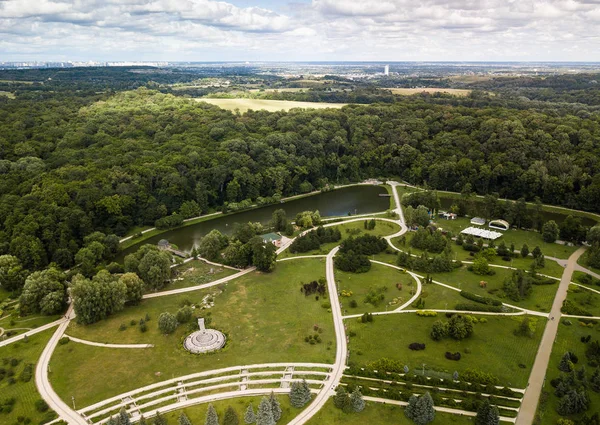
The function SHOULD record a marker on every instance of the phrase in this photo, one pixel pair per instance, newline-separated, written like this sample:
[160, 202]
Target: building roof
[478, 221]
[481, 233]
[270, 237]
[499, 224]
[163, 242]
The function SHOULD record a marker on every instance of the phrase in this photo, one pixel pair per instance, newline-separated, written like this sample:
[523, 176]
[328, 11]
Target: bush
[353, 304]
[479, 299]
[41, 406]
[452, 356]
[569, 307]
[167, 323]
[184, 314]
[64, 340]
[478, 307]
[427, 313]
[416, 346]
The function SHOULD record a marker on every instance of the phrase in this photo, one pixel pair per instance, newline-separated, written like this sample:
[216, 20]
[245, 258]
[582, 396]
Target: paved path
[100, 344]
[42, 381]
[32, 332]
[341, 349]
[538, 372]
[413, 275]
[437, 408]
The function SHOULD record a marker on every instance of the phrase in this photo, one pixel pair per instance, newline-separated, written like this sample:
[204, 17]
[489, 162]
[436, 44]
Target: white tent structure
[481, 233]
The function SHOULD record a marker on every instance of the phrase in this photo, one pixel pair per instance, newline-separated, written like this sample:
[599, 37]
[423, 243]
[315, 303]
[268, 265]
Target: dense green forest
[73, 162]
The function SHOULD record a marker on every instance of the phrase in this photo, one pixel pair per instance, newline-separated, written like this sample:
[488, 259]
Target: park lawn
[541, 298]
[389, 256]
[265, 317]
[579, 278]
[379, 277]
[26, 323]
[583, 261]
[568, 339]
[584, 298]
[382, 228]
[197, 414]
[378, 414]
[25, 393]
[492, 348]
[517, 237]
[438, 297]
[198, 272]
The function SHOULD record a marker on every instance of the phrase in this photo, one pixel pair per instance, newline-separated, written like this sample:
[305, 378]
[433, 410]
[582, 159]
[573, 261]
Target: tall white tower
[386, 70]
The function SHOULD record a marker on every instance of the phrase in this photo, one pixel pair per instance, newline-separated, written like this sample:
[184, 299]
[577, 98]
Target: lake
[341, 202]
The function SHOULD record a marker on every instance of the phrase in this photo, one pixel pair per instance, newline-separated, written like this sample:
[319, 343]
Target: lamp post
[73, 400]
[423, 369]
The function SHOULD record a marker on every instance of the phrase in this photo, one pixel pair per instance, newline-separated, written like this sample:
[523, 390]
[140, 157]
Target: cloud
[317, 30]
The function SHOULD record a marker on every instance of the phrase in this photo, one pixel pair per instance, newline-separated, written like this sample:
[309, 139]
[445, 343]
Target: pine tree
[230, 418]
[595, 380]
[159, 419]
[183, 419]
[356, 401]
[339, 399]
[565, 364]
[275, 407]
[142, 420]
[299, 394]
[487, 414]
[265, 414]
[124, 417]
[211, 416]
[112, 421]
[249, 416]
[420, 409]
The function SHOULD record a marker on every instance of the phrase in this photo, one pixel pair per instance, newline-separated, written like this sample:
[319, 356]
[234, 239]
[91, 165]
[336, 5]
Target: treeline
[67, 169]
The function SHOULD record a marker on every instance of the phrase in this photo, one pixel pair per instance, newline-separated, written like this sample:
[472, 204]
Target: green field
[378, 414]
[438, 297]
[568, 339]
[380, 279]
[197, 273]
[25, 393]
[584, 298]
[541, 298]
[265, 317]
[244, 104]
[382, 228]
[197, 414]
[492, 348]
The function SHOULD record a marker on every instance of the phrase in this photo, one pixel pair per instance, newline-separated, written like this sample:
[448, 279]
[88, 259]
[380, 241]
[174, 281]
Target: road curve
[538, 372]
[341, 349]
[42, 382]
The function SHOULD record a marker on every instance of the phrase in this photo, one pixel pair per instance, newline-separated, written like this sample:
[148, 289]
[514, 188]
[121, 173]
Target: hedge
[479, 299]
[478, 307]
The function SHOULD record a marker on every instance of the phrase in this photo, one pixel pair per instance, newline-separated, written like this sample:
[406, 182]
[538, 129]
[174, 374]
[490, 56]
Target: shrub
[184, 314]
[41, 406]
[569, 307]
[416, 346]
[452, 356]
[478, 307]
[133, 322]
[167, 323]
[353, 304]
[427, 313]
[479, 299]
[64, 340]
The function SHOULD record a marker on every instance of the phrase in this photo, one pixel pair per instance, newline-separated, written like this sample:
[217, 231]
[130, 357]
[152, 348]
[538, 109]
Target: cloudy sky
[255, 30]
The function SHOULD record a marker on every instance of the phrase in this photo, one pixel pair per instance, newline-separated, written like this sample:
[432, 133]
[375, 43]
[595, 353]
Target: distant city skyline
[317, 30]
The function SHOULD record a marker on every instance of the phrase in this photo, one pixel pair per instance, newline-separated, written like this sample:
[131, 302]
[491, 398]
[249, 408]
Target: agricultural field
[264, 316]
[492, 347]
[430, 90]
[243, 104]
[18, 382]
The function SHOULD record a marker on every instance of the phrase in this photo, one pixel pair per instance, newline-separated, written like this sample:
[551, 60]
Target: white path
[100, 344]
[32, 332]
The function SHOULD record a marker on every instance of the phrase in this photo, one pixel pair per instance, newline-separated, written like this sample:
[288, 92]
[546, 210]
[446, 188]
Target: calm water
[354, 200]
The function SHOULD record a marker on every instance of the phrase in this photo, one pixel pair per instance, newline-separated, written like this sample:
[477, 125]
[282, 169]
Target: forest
[73, 162]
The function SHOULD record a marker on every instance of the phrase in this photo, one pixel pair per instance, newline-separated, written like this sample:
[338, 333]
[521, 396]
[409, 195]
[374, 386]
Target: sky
[300, 30]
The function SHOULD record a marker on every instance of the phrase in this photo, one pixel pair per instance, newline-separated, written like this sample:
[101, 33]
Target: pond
[350, 200]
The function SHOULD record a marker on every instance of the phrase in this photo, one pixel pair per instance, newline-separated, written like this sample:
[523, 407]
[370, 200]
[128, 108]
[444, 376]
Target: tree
[595, 380]
[356, 400]
[481, 266]
[341, 399]
[211, 416]
[124, 417]
[460, 327]
[420, 409]
[183, 419]
[230, 418]
[264, 415]
[537, 252]
[159, 419]
[263, 254]
[275, 407]
[189, 209]
[44, 292]
[155, 269]
[184, 314]
[12, 275]
[550, 231]
[299, 394]
[487, 414]
[279, 220]
[210, 246]
[98, 298]
[524, 250]
[249, 416]
[566, 365]
[525, 328]
[167, 323]
[134, 287]
[573, 402]
[571, 229]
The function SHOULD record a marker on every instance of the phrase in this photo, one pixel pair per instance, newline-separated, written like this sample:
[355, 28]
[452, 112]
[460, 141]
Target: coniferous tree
[230, 418]
[249, 416]
[211, 416]
[299, 394]
[142, 420]
[183, 419]
[595, 380]
[356, 401]
[565, 364]
[112, 421]
[265, 413]
[159, 419]
[124, 417]
[275, 407]
[341, 399]
[420, 409]
[487, 414]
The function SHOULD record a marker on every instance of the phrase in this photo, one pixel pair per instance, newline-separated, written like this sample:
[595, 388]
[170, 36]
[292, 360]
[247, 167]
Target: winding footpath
[538, 372]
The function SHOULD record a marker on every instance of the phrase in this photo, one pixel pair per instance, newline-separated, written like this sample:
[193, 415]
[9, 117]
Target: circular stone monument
[204, 340]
